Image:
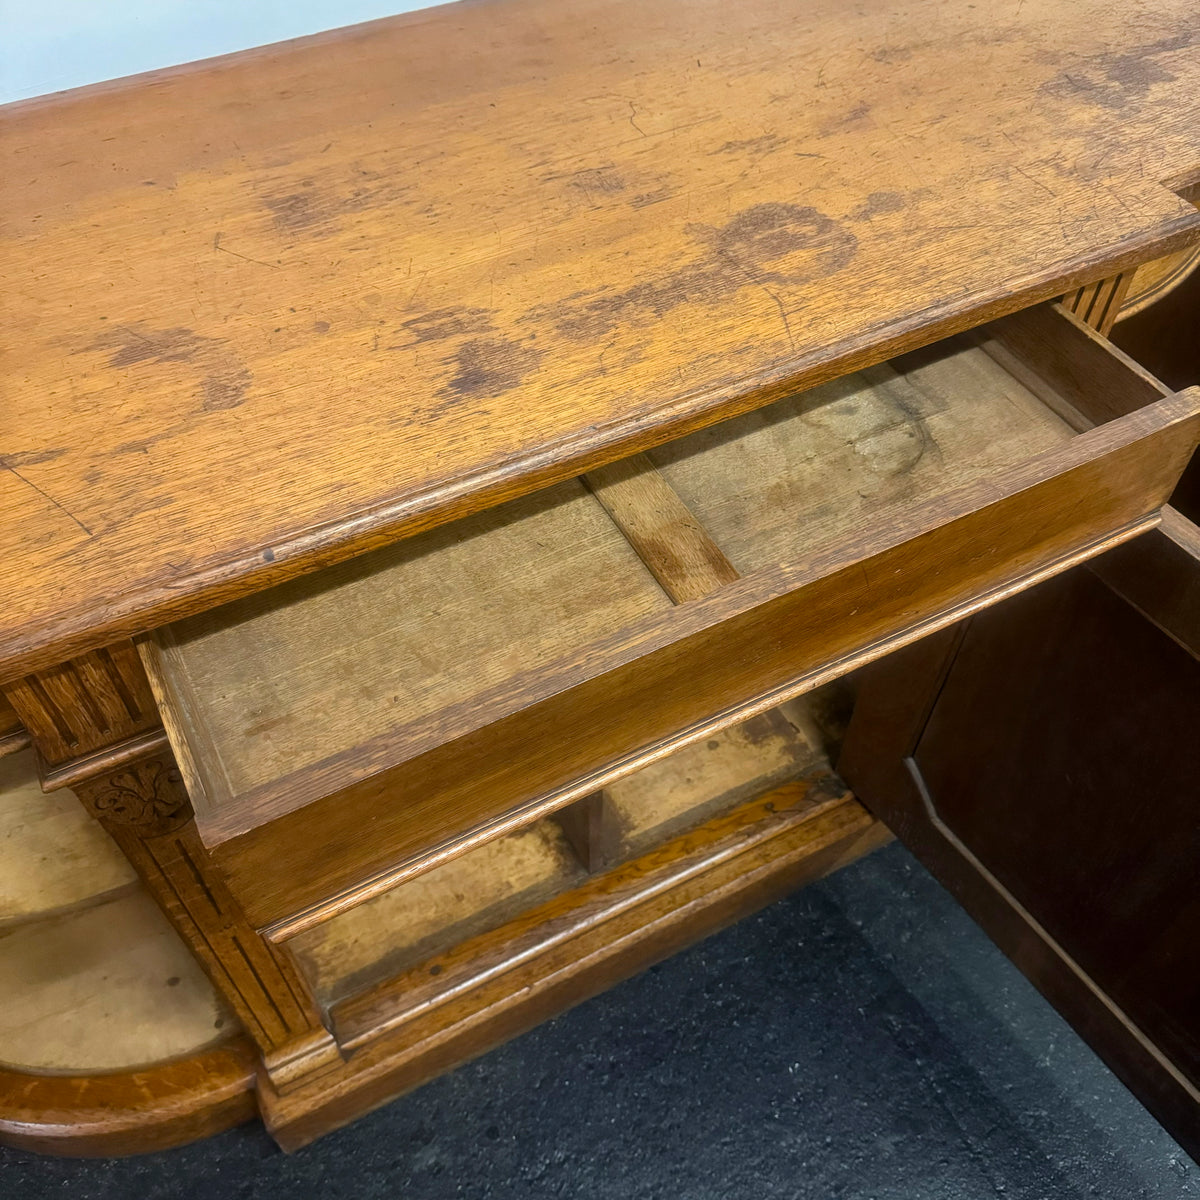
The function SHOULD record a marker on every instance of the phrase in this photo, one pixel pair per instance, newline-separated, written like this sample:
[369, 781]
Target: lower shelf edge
[153, 1108]
[427, 1020]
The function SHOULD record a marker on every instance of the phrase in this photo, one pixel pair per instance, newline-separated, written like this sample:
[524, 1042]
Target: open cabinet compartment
[478, 892]
[355, 727]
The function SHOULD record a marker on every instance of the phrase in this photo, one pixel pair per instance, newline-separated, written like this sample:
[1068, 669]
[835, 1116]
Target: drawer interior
[394, 644]
[772, 486]
[373, 684]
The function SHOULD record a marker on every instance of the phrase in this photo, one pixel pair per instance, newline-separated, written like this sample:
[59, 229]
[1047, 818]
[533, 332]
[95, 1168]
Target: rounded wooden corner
[120, 1113]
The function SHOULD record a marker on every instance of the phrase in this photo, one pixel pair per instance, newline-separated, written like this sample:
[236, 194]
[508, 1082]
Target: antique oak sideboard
[456, 467]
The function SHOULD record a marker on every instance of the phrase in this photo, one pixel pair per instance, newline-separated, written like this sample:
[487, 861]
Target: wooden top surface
[266, 311]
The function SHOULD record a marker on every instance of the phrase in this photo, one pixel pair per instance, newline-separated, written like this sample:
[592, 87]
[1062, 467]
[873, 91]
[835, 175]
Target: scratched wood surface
[270, 310]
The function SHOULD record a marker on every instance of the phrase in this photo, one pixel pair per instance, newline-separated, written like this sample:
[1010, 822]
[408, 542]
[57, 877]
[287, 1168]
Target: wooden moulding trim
[14, 740]
[101, 762]
[781, 844]
[130, 1112]
[541, 806]
[37, 647]
[1160, 577]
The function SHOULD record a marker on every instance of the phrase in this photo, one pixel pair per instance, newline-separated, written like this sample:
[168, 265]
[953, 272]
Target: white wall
[48, 45]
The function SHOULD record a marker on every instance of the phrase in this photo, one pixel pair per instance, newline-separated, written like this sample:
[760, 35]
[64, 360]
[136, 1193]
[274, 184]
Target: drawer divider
[675, 547]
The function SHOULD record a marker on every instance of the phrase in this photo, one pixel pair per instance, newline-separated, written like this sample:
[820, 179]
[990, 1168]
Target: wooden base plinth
[405, 1031]
[130, 1112]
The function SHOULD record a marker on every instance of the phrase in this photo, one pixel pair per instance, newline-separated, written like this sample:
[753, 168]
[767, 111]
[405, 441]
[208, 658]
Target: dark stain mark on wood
[320, 326]
[317, 206]
[767, 244]
[137, 343]
[300, 212]
[784, 243]
[1112, 80]
[757, 147]
[224, 378]
[598, 179]
[893, 431]
[847, 120]
[442, 323]
[878, 204]
[891, 54]
[29, 458]
[647, 198]
[489, 367]
[224, 387]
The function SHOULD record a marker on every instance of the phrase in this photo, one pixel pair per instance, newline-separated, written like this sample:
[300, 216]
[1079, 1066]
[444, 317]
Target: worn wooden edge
[100, 762]
[646, 920]
[279, 798]
[1159, 576]
[152, 1108]
[38, 645]
[182, 725]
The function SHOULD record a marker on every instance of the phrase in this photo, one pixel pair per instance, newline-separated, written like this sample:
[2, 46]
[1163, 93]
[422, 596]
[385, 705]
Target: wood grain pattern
[1099, 304]
[313, 297]
[813, 469]
[503, 983]
[760, 640]
[130, 1112]
[85, 704]
[675, 546]
[387, 649]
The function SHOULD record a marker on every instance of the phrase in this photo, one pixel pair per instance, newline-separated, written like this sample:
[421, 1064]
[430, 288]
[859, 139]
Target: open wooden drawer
[347, 730]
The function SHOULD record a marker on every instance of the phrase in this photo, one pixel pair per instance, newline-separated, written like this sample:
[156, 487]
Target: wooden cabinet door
[1043, 760]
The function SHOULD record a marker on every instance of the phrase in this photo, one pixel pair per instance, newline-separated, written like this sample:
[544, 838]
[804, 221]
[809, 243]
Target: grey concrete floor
[860, 1040]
